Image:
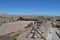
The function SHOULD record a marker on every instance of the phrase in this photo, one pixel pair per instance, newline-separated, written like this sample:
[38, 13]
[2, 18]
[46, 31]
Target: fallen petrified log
[29, 25]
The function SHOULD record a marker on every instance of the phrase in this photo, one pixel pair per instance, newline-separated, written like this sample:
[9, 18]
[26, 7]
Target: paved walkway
[52, 34]
[55, 37]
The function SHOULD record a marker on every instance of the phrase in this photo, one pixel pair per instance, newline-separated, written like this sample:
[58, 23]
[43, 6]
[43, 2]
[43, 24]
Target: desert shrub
[14, 38]
[4, 22]
[58, 26]
[0, 23]
[59, 33]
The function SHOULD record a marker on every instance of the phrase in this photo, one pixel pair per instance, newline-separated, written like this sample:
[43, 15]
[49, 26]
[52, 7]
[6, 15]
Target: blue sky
[30, 7]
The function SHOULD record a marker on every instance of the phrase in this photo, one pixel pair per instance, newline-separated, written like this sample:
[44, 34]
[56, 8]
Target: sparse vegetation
[7, 18]
[0, 23]
[12, 18]
[14, 38]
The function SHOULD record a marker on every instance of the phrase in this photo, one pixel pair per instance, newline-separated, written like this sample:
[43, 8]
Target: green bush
[58, 26]
[0, 23]
[59, 33]
[14, 38]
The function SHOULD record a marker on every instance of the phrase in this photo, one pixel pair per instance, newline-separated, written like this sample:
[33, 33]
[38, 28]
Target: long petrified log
[27, 19]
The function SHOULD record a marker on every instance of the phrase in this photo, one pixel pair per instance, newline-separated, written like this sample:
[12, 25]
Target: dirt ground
[19, 26]
[13, 27]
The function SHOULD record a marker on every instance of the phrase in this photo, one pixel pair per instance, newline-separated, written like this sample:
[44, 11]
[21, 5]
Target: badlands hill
[4, 18]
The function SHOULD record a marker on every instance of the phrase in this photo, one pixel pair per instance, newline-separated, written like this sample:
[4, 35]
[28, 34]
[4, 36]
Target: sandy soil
[19, 26]
[13, 27]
